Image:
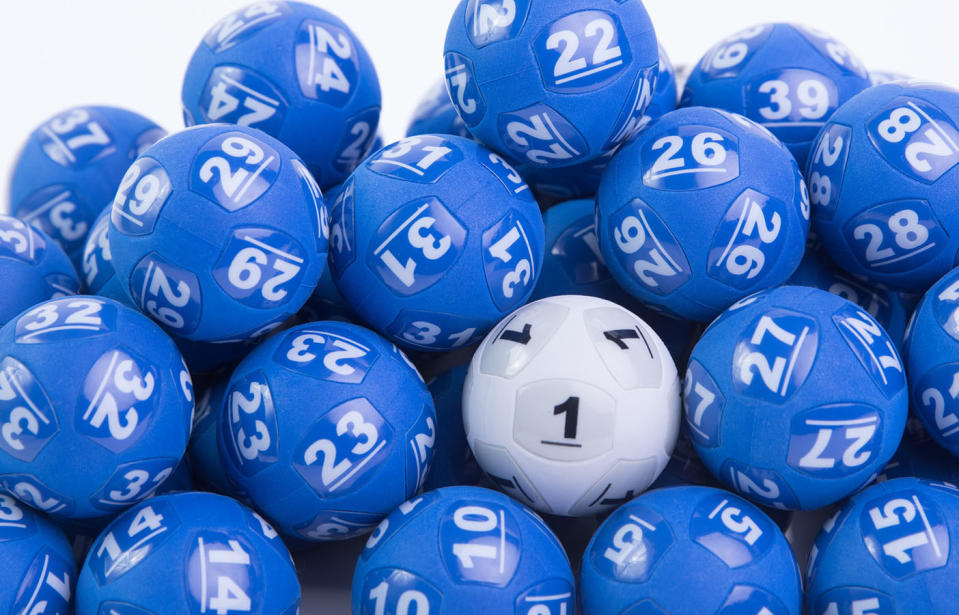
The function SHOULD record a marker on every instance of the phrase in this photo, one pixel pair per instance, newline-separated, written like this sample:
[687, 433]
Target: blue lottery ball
[463, 550]
[33, 268]
[701, 209]
[70, 167]
[551, 84]
[689, 551]
[91, 381]
[787, 77]
[453, 461]
[436, 114]
[795, 398]
[188, 553]
[880, 77]
[932, 361]
[219, 233]
[294, 71]
[555, 185]
[204, 455]
[327, 428]
[886, 306]
[888, 550]
[573, 265]
[882, 177]
[452, 238]
[38, 572]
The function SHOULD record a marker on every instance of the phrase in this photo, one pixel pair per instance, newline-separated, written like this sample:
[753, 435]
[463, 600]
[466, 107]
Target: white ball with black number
[572, 405]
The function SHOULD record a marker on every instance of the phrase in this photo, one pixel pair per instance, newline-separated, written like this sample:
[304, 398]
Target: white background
[60, 53]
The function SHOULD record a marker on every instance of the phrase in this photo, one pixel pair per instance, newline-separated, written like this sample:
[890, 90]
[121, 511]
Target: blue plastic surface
[701, 209]
[551, 84]
[38, 574]
[70, 167]
[433, 240]
[689, 551]
[463, 550]
[294, 71]
[327, 428]
[888, 550]
[188, 553]
[33, 268]
[795, 398]
[881, 179]
[219, 233]
[94, 382]
[787, 77]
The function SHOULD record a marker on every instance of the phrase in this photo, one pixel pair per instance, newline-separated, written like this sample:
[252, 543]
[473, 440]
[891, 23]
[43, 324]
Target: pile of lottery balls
[680, 321]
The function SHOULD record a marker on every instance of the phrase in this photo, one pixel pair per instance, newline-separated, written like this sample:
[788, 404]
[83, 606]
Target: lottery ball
[571, 405]
[879, 77]
[70, 167]
[787, 77]
[453, 462]
[551, 84]
[219, 233]
[795, 398]
[294, 71]
[434, 239]
[689, 551]
[216, 556]
[93, 381]
[932, 361]
[882, 175]
[462, 550]
[886, 306]
[701, 209]
[327, 428]
[436, 114]
[888, 550]
[33, 268]
[573, 265]
[38, 572]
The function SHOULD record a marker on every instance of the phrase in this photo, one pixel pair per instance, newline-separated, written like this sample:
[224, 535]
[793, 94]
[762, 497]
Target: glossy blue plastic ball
[434, 239]
[551, 84]
[327, 428]
[887, 306]
[787, 77]
[573, 265]
[701, 209]
[689, 551]
[890, 549]
[95, 407]
[882, 178]
[37, 570]
[436, 115]
[188, 553]
[463, 550]
[795, 398]
[33, 268]
[932, 361]
[219, 233]
[665, 95]
[453, 461]
[294, 71]
[70, 167]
